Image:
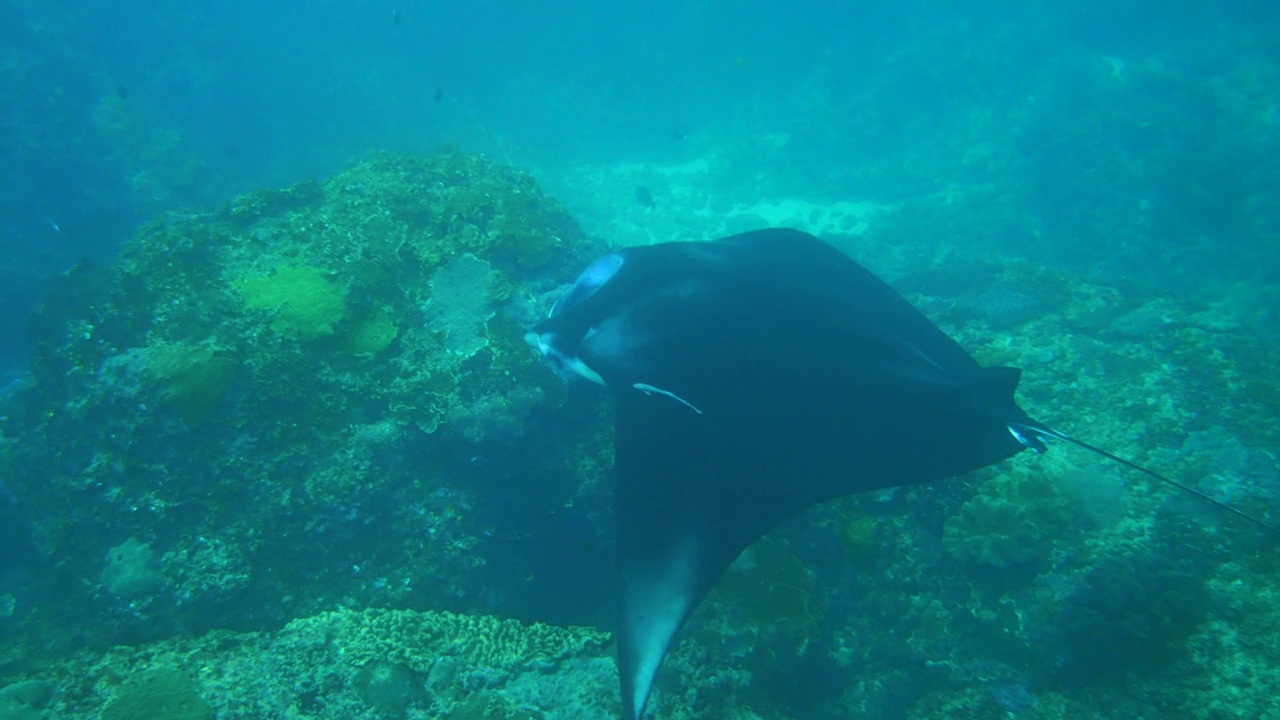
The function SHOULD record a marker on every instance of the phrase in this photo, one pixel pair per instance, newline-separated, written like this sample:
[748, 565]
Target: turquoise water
[269, 419]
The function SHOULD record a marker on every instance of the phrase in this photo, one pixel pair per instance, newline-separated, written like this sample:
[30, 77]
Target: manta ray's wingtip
[640, 653]
[653, 606]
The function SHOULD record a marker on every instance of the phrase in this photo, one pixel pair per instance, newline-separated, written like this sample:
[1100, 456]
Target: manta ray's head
[587, 334]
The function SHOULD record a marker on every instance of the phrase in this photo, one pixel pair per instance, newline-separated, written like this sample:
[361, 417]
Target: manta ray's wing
[667, 560]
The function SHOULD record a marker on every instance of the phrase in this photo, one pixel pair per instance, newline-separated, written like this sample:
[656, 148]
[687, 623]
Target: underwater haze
[273, 443]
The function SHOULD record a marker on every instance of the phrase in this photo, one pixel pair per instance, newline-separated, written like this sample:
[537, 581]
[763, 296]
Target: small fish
[644, 196]
[438, 94]
[53, 225]
[396, 17]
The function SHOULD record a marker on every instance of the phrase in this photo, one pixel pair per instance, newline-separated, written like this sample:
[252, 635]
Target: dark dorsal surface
[753, 377]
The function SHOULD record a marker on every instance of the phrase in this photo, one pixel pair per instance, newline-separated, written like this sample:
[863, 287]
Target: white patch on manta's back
[657, 605]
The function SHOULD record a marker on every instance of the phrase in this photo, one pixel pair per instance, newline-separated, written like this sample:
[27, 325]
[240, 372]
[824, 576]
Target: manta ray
[753, 377]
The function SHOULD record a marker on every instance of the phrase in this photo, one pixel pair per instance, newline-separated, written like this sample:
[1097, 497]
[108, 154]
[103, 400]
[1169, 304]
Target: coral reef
[371, 333]
[858, 535]
[1126, 615]
[1012, 520]
[319, 396]
[160, 693]
[132, 570]
[417, 640]
[389, 688]
[767, 587]
[341, 665]
[193, 378]
[302, 301]
[25, 700]
[213, 383]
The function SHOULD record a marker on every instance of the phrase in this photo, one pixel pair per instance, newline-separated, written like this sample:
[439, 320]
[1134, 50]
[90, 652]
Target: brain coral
[415, 640]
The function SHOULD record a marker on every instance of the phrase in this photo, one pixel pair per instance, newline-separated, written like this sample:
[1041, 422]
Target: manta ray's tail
[1032, 434]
